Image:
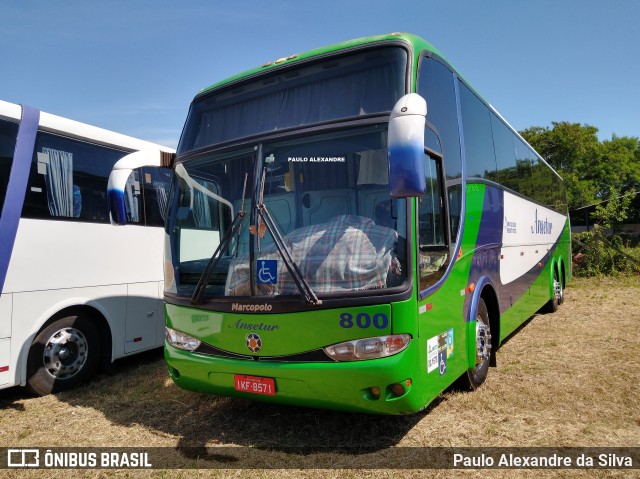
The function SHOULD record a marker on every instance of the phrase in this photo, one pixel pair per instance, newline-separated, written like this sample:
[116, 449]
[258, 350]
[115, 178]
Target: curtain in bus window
[201, 210]
[347, 87]
[373, 168]
[358, 92]
[59, 181]
[239, 119]
[162, 197]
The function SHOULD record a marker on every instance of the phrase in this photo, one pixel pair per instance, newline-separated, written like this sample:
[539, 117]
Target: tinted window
[478, 138]
[525, 159]
[68, 179]
[505, 149]
[8, 133]
[436, 85]
[339, 87]
[433, 251]
[155, 190]
[146, 196]
[520, 169]
[431, 218]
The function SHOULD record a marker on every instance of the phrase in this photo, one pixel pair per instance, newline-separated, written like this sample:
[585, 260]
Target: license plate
[255, 385]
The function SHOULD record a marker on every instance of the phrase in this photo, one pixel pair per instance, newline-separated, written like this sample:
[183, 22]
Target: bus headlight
[180, 340]
[368, 348]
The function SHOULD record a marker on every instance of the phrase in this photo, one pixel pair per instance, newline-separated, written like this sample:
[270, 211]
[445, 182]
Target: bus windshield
[328, 196]
[366, 83]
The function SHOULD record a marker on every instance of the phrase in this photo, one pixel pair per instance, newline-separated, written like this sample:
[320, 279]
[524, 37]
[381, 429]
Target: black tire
[63, 355]
[474, 377]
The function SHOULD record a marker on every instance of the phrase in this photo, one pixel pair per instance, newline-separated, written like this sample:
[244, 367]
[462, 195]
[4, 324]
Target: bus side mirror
[120, 173]
[405, 147]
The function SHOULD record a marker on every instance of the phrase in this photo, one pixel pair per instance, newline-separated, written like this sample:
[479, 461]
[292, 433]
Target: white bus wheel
[63, 355]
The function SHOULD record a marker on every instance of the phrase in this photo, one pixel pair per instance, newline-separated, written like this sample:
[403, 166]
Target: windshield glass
[328, 196]
[366, 83]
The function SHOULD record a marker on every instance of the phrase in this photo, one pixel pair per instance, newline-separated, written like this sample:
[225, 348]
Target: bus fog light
[397, 389]
[368, 348]
[375, 392]
[181, 340]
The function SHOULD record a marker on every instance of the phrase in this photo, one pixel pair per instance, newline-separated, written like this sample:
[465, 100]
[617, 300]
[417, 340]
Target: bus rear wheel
[473, 378]
[558, 295]
[63, 355]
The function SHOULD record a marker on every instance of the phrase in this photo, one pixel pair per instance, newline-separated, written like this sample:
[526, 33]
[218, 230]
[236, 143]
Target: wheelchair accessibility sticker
[439, 349]
[267, 271]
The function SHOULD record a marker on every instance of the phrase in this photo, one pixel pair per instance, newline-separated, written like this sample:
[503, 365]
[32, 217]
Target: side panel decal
[529, 231]
[16, 188]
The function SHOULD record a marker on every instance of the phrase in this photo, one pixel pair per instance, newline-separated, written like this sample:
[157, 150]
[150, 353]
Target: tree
[592, 170]
[612, 213]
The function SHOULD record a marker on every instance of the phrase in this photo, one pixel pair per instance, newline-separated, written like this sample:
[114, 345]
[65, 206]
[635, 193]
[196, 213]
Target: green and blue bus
[352, 228]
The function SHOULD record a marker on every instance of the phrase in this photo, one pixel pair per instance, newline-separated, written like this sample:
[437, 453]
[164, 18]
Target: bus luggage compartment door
[143, 313]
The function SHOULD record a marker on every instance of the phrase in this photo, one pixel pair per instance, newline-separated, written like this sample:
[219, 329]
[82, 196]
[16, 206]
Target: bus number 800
[364, 321]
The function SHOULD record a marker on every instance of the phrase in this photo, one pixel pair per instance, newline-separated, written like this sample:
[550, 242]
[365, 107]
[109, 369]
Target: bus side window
[68, 179]
[155, 192]
[132, 197]
[8, 133]
[433, 247]
[436, 83]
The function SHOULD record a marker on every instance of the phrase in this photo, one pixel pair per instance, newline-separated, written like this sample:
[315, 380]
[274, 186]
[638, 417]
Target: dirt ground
[568, 379]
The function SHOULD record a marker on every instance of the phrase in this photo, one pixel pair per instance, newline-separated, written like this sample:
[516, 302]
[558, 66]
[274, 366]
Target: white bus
[75, 292]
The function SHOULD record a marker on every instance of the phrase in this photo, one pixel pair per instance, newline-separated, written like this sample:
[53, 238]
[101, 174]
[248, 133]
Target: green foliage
[595, 254]
[614, 212]
[592, 170]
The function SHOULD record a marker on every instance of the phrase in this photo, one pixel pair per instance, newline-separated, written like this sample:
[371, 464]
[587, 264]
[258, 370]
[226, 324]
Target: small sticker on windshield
[267, 271]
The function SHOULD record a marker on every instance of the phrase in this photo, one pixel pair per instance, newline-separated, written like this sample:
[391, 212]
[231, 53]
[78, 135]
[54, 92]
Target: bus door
[434, 234]
[145, 203]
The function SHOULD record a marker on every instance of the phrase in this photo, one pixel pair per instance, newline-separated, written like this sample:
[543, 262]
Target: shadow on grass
[139, 392]
[11, 398]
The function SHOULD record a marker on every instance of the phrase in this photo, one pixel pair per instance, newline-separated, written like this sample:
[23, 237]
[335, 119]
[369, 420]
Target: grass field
[564, 379]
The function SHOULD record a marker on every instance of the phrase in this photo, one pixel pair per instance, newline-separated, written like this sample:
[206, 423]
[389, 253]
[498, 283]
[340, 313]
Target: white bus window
[68, 179]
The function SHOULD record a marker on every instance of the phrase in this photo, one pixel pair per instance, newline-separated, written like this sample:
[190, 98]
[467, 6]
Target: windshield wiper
[232, 230]
[302, 284]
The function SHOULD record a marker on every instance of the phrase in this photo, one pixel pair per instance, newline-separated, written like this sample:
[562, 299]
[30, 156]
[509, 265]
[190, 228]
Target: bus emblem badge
[254, 342]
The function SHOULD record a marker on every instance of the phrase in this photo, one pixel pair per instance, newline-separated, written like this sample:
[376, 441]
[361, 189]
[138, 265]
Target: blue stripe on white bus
[18, 177]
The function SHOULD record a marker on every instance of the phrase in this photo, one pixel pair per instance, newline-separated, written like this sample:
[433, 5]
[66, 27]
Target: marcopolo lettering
[251, 307]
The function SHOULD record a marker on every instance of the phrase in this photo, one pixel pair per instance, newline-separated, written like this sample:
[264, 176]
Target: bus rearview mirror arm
[405, 147]
[120, 174]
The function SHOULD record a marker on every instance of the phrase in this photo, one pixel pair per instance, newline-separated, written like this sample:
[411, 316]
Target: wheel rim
[65, 353]
[557, 289]
[483, 341]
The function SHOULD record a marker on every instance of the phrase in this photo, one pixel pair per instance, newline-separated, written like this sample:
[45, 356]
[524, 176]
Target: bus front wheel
[63, 355]
[473, 378]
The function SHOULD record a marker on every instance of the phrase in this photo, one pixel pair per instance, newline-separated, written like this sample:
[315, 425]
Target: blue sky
[134, 66]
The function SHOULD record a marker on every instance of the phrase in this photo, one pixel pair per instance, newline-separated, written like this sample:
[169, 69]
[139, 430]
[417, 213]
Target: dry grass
[565, 379]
